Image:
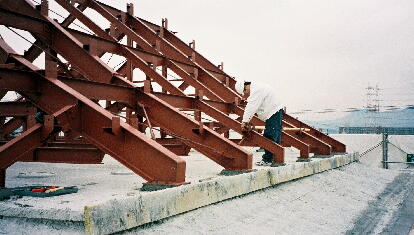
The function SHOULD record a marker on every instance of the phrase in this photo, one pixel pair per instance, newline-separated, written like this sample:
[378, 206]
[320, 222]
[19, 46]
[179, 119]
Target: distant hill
[394, 118]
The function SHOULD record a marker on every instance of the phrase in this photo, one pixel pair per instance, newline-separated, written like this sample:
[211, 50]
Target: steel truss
[66, 96]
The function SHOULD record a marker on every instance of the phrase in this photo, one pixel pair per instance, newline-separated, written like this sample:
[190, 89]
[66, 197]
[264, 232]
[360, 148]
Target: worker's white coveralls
[263, 100]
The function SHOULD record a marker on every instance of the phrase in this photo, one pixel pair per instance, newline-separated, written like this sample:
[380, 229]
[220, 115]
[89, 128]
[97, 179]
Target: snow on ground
[327, 203]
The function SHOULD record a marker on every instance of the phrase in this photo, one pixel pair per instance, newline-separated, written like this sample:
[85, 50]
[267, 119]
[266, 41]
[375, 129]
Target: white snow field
[332, 202]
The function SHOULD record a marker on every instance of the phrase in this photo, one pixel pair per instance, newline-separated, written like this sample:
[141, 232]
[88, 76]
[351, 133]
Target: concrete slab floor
[110, 180]
[96, 183]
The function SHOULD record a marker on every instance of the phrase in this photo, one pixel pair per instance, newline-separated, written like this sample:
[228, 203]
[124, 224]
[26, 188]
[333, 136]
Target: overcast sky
[316, 53]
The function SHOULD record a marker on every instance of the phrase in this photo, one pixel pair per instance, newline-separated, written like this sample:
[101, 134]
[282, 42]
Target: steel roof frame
[89, 79]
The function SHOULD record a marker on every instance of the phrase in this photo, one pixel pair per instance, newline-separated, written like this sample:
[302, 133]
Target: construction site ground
[358, 198]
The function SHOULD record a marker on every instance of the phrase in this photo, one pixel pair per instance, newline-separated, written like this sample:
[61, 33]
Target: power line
[45, 51]
[350, 109]
[65, 18]
[115, 67]
[110, 58]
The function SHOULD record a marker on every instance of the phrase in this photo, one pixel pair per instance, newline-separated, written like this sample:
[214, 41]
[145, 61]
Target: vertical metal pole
[2, 120]
[130, 77]
[384, 150]
[164, 74]
[130, 68]
[2, 178]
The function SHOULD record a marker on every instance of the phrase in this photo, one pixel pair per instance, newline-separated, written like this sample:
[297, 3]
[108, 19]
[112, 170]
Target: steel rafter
[89, 80]
[241, 158]
[169, 49]
[172, 52]
[123, 144]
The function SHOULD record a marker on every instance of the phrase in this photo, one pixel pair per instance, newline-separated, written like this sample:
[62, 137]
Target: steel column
[2, 178]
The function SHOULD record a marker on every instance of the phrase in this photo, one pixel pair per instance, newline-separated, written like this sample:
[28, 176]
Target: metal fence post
[385, 150]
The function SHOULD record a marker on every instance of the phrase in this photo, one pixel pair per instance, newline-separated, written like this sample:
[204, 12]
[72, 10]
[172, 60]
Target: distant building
[377, 130]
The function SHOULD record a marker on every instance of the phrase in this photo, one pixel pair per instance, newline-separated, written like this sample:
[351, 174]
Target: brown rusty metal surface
[214, 146]
[174, 145]
[123, 148]
[2, 178]
[130, 110]
[16, 109]
[337, 146]
[65, 155]
[10, 126]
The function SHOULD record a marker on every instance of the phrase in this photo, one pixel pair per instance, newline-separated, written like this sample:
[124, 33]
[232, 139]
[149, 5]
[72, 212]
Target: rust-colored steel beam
[317, 146]
[64, 155]
[75, 152]
[64, 43]
[273, 147]
[10, 126]
[94, 90]
[173, 47]
[174, 145]
[34, 51]
[169, 50]
[76, 13]
[101, 91]
[127, 52]
[114, 47]
[227, 154]
[164, 47]
[182, 46]
[239, 158]
[337, 146]
[289, 140]
[16, 109]
[118, 93]
[130, 53]
[296, 140]
[17, 19]
[189, 51]
[2, 178]
[17, 147]
[157, 49]
[123, 146]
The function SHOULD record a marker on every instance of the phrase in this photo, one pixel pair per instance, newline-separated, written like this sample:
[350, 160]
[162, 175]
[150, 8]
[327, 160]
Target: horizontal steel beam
[64, 155]
[125, 94]
[149, 33]
[170, 168]
[229, 155]
[19, 20]
[16, 109]
[174, 145]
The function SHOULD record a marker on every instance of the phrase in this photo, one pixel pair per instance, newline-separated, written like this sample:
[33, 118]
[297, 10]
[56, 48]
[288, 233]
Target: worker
[264, 101]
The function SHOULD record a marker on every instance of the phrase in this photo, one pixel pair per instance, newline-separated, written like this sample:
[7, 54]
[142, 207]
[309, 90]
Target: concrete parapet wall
[118, 215]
